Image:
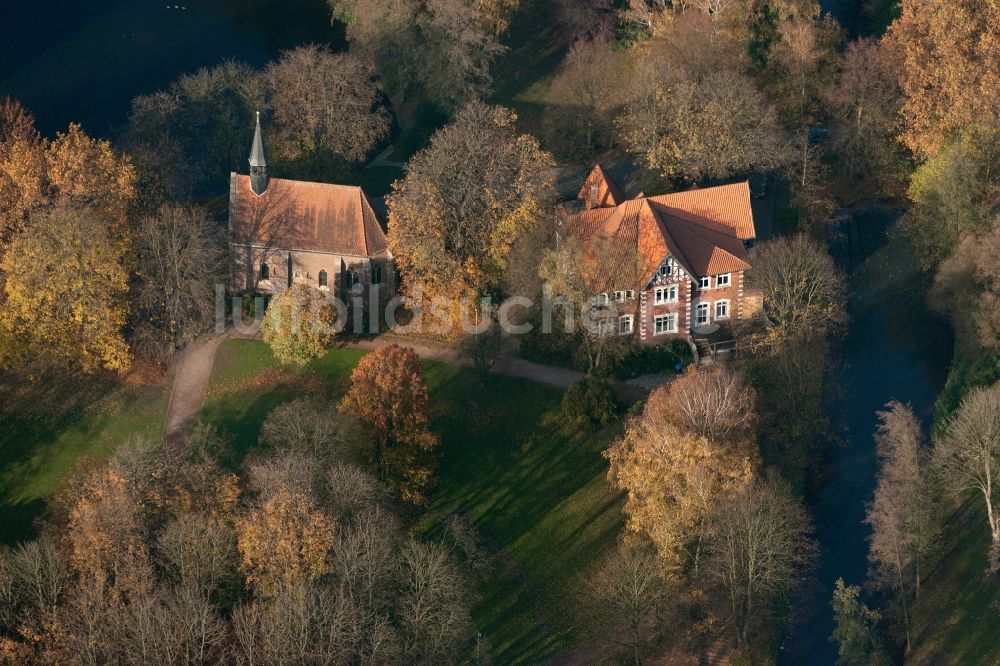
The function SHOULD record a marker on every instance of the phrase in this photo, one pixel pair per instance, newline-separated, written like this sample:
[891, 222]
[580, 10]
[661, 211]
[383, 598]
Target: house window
[701, 314]
[619, 296]
[265, 272]
[629, 294]
[298, 274]
[376, 273]
[664, 270]
[322, 279]
[602, 299]
[665, 295]
[721, 309]
[723, 280]
[625, 324]
[665, 323]
[704, 283]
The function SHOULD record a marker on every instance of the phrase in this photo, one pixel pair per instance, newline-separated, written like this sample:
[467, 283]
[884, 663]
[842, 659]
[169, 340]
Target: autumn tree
[108, 521]
[901, 512]
[953, 194]
[623, 592]
[22, 166]
[324, 105]
[311, 427]
[202, 122]
[716, 126]
[575, 273]
[760, 549]
[299, 324]
[585, 97]
[73, 169]
[713, 402]
[297, 472]
[856, 633]
[438, 52]
[950, 69]
[388, 394]
[452, 219]
[65, 289]
[803, 61]
[865, 101]
[433, 607]
[586, 19]
[284, 541]
[87, 172]
[968, 455]
[179, 256]
[804, 292]
[198, 551]
[967, 287]
[674, 478]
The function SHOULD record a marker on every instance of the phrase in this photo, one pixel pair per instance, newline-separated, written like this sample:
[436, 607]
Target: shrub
[658, 359]
[591, 401]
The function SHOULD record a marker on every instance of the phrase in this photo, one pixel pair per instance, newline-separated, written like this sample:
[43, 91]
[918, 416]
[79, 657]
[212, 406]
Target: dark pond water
[895, 350]
[84, 61]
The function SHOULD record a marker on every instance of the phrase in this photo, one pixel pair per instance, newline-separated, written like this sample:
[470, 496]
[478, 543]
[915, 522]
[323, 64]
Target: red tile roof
[299, 215]
[725, 208]
[599, 191]
[704, 230]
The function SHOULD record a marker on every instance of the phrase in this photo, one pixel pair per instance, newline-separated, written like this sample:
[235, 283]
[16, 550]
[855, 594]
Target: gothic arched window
[265, 272]
[376, 273]
[322, 278]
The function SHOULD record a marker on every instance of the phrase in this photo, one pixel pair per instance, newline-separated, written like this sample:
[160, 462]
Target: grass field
[534, 487]
[956, 617]
[36, 452]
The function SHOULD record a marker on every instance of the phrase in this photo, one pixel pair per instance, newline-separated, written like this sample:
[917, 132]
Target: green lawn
[957, 615]
[534, 487]
[36, 451]
[536, 45]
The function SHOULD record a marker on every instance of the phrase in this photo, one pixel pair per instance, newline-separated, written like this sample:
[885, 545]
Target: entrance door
[701, 314]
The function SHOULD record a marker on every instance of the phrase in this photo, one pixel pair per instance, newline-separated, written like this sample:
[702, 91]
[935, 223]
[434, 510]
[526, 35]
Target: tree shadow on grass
[36, 411]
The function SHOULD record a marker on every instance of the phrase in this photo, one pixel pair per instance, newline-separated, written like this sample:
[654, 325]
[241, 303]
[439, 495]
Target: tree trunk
[902, 598]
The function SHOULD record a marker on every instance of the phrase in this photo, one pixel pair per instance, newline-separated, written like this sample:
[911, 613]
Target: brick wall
[305, 268]
[687, 301]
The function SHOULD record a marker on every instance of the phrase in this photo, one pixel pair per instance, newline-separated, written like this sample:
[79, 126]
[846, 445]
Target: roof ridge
[316, 182]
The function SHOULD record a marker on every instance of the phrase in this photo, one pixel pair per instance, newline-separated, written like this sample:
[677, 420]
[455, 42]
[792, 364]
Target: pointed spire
[258, 162]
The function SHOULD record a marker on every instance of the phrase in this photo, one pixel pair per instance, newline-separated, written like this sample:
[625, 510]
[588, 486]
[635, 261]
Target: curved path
[193, 368]
[191, 372]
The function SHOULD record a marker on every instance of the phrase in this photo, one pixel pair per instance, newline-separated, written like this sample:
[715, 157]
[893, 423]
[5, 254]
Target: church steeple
[258, 162]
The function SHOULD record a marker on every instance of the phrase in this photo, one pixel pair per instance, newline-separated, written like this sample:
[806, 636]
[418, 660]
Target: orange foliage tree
[388, 393]
[691, 448]
[950, 55]
[284, 541]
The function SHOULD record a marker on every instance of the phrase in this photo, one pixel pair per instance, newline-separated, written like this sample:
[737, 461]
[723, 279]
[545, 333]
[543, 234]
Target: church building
[287, 232]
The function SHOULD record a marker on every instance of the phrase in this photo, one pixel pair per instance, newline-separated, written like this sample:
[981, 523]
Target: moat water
[895, 350]
[71, 61]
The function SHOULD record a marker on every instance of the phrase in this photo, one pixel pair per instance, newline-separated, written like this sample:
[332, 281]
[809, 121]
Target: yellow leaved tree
[65, 288]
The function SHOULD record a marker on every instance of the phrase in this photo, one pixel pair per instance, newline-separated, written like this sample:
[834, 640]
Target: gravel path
[193, 368]
[509, 366]
[191, 373]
